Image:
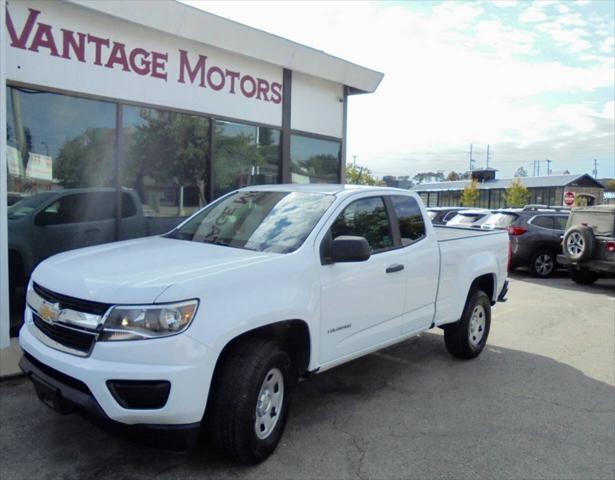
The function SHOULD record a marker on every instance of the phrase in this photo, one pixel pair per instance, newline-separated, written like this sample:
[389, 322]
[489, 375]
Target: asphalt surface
[538, 403]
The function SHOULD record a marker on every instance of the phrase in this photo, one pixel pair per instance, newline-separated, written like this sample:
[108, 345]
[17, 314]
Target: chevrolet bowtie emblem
[49, 311]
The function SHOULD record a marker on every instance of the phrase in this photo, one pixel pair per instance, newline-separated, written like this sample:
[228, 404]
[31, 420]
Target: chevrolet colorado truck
[209, 326]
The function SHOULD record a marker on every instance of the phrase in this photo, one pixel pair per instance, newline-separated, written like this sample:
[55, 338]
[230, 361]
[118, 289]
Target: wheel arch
[486, 283]
[293, 334]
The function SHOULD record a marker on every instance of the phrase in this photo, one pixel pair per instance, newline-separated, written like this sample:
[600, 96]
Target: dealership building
[552, 190]
[162, 99]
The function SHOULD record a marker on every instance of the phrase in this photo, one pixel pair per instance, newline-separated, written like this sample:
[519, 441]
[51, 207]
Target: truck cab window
[411, 225]
[366, 218]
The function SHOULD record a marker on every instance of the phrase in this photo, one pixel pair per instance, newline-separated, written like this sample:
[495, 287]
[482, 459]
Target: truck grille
[70, 337]
[65, 301]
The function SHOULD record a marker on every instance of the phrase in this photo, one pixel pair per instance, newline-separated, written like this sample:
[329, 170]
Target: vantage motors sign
[67, 47]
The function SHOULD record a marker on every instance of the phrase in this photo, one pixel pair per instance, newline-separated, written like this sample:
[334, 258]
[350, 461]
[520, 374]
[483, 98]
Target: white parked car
[474, 217]
[212, 324]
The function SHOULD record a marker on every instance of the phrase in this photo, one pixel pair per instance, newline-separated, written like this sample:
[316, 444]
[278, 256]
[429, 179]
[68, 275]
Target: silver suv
[589, 244]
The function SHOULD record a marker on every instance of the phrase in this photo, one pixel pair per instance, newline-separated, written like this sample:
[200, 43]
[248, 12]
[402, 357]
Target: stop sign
[569, 199]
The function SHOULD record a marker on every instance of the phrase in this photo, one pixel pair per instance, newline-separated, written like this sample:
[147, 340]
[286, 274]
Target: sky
[533, 80]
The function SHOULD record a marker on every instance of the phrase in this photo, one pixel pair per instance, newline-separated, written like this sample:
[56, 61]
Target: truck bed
[446, 234]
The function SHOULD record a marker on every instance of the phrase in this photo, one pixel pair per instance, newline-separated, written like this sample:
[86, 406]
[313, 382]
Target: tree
[469, 196]
[357, 175]
[517, 194]
[453, 176]
[521, 172]
[428, 177]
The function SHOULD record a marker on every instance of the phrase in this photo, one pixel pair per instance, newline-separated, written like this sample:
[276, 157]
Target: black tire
[457, 335]
[542, 264]
[579, 243]
[582, 277]
[231, 413]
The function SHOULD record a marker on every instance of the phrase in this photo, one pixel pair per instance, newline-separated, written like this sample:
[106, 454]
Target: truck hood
[138, 271]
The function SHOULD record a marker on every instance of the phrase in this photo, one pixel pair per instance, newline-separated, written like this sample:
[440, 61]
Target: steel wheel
[269, 403]
[477, 325]
[544, 264]
[575, 244]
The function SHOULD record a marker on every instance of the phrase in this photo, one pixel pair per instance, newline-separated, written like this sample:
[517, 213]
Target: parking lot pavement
[538, 403]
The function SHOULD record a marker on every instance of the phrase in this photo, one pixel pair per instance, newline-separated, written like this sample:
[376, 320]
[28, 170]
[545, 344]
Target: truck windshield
[277, 222]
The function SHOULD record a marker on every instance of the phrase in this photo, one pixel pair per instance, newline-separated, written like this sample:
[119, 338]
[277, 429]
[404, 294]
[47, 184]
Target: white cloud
[607, 45]
[453, 76]
[532, 14]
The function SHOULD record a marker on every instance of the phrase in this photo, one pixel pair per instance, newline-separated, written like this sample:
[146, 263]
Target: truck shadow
[388, 413]
[561, 280]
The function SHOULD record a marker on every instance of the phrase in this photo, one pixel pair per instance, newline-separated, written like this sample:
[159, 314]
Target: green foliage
[428, 177]
[86, 160]
[453, 176]
[469, 196]
[357, 175]
[517, 194]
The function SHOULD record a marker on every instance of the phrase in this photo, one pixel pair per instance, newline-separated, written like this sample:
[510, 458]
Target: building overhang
[181, 20]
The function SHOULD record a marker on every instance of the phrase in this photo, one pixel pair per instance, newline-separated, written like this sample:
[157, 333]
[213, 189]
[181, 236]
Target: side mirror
[347, 248]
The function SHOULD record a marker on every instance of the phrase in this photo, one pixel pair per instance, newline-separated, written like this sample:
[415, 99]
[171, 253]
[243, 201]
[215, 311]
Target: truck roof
[325, 188]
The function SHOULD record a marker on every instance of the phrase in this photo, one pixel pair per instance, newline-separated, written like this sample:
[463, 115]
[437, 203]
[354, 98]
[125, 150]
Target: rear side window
[128, 206]
[560, 222]
[500, 220]
[366, 218]
[544, 221]
[411, 224]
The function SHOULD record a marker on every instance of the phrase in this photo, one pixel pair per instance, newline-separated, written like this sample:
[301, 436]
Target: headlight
[138, 322]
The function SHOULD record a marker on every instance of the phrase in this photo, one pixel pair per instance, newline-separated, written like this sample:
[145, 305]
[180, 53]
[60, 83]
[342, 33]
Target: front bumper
[599, 266]
[179, 360]
[67, 395]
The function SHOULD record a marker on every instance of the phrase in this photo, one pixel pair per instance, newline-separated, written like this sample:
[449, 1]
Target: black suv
[535, 234]
[589, 244]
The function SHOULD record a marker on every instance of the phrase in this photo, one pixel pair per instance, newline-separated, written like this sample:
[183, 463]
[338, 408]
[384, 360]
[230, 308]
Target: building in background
[176, 104]
[554, 190]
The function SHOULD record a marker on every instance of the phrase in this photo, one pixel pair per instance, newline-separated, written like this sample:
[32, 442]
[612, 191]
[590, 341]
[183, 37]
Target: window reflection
[244, 155]
[57, 141]
[314, 160]
[165, 160]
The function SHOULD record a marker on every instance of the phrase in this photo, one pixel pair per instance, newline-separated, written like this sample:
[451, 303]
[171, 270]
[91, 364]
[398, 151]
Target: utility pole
[354, 160]
[548, 166]
[488, 156]
[471, 159]
[595, 171]
[538, 168]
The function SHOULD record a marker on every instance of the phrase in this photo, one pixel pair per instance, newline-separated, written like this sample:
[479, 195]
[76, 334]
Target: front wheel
[250, 400]
[582, 277]
[467, 338]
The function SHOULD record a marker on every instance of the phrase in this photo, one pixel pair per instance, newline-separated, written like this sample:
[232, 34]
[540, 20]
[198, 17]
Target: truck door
[362, 302]
[74, 221]
[422, 260]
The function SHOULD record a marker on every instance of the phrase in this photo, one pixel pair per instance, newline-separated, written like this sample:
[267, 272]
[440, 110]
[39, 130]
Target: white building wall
[317, 106]
[4, 270]
[36, 63]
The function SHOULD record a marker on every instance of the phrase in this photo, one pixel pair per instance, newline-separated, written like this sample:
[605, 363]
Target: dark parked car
[441, 215]
[13, 197]
[589, 244]
[535, 236]
[47, 223]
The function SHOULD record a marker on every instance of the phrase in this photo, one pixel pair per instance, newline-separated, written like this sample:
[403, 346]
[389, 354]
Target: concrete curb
[9, 361]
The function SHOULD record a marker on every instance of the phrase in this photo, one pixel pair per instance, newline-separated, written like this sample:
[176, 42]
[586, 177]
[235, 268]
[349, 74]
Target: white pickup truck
[211, 324]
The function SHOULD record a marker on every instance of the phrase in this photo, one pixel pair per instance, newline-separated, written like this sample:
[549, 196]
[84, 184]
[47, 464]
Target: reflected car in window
[469, 218]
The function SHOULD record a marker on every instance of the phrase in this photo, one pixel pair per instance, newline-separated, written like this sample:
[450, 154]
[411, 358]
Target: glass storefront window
[244, 155]
[314, 160]
[58, 141]
[165, 160]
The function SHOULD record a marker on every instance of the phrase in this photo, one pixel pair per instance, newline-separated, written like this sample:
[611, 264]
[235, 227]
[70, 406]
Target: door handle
[395, 268]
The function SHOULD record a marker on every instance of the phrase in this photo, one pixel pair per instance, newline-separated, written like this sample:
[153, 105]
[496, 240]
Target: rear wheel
[582, 277]
[542, 264]
[250, 400]
[467, 338]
